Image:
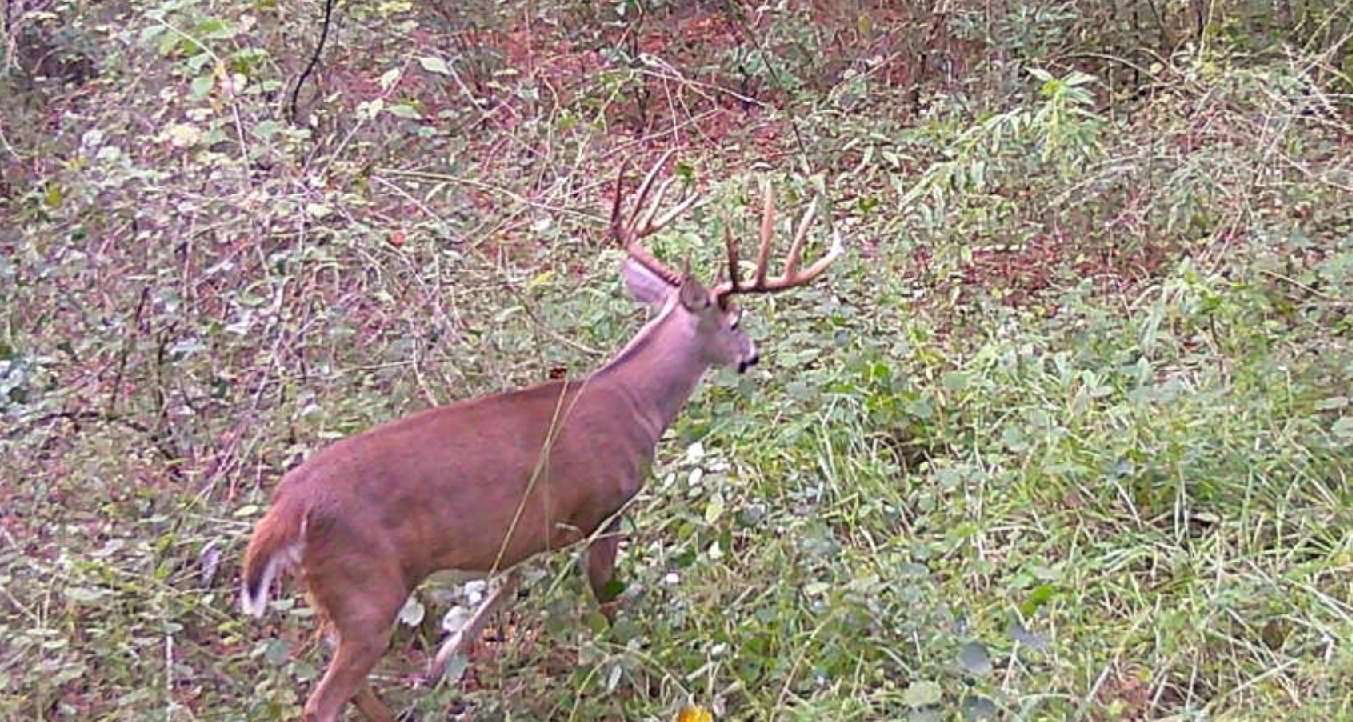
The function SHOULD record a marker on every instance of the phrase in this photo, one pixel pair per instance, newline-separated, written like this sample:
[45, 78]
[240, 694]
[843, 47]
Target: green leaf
[815, 589]
[183, 135]
[456, 666]
[413, 612]
[1040, 595]
[714, 508]
[214, 28]
[199, 61]
[433, 64]
[84, 595]
[921, 693]
[202, 85]
[798, 390]
[277, 651]
[304, 671]
[266, 129]
[148, 34]
[1343, 428]
[404, 110]
[974, 658]
[1020, 634]
[978, 709]
[955, 380]
[541, 280]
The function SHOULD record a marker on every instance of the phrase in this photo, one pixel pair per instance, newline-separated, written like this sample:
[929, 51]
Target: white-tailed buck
[479, 485]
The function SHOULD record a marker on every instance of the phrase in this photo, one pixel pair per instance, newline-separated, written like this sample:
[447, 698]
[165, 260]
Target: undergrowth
[1067, 435]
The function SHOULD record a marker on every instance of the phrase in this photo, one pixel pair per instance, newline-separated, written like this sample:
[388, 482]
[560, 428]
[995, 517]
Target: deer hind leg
[601, 567]
[361, 617]
[370, 705]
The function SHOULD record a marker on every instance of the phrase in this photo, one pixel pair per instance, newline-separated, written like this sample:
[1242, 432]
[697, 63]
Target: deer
[480, 485]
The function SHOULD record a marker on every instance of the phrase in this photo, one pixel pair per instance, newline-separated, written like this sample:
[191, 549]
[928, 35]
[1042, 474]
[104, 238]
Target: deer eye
[737, 320]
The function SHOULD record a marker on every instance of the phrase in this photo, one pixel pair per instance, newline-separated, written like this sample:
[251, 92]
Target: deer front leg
[601, 567]
[469, 631]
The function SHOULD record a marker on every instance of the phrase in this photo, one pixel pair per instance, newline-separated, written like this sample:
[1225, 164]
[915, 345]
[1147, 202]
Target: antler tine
[645, 224]
[617, 227]
[792, 276]
[767, 234]
[813, 271]
[796, 250]
[678, 209]
[733, 283]
[640, 222]
[644, 188]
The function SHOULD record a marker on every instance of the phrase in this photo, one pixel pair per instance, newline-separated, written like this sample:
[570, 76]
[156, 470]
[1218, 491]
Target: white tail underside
[285, 558]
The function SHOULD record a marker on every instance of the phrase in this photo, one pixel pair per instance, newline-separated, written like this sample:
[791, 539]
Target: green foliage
[1066, 435]
[1062, 130]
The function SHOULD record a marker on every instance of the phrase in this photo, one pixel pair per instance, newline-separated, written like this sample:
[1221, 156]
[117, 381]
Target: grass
[1066, 436]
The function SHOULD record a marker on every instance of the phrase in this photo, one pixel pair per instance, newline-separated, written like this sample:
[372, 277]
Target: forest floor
[1067, 434]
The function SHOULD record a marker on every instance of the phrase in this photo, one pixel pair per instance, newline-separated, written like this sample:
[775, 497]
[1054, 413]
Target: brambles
[1066, 434]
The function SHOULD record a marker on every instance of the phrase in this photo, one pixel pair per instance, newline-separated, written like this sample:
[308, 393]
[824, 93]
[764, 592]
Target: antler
[641, 220]
[792, 277]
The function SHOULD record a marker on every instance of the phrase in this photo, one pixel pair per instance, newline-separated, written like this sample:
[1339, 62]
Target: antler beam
[791, 277]
[641, 221]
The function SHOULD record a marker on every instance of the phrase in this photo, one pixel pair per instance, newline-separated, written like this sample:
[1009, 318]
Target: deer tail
[274, 548]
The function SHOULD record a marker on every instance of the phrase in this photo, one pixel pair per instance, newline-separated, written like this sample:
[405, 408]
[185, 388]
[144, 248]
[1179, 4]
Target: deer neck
[658, 369]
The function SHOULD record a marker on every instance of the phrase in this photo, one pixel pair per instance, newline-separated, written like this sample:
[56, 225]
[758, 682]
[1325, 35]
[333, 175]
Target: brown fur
[476, 486]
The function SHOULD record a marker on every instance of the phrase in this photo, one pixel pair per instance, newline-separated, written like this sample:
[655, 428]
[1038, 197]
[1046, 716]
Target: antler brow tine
[733, 281]
[616, 228]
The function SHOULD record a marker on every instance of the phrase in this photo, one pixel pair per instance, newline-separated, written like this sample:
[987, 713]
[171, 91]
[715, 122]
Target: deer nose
[747, 363]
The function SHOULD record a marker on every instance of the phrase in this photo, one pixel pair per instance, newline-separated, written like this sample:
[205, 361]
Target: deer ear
[694, 296]
[644, 286]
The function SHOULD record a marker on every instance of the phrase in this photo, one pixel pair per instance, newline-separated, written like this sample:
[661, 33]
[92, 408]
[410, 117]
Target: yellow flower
[694, 713]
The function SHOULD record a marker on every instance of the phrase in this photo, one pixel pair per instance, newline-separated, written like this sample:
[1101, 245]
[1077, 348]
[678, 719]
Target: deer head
[707, 318]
